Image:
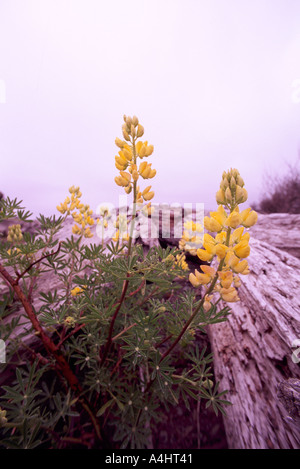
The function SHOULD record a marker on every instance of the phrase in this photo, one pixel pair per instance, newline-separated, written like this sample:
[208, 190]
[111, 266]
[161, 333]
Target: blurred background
[215, 83]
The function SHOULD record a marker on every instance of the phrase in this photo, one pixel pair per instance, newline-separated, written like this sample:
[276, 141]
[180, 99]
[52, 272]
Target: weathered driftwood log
[280, 230]
[253, 351]
[289, 395]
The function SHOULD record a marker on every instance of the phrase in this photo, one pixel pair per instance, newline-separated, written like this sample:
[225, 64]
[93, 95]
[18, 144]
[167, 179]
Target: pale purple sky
[214, 82]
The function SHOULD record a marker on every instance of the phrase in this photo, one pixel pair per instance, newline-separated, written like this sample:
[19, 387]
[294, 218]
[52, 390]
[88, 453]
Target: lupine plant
[97, 358]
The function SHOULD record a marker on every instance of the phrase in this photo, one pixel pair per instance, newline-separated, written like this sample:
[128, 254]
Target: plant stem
[126, 282]
[194, 314]
[52, 349]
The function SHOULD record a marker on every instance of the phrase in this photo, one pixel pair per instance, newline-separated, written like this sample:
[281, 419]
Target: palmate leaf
[11, 208]
[213, 398]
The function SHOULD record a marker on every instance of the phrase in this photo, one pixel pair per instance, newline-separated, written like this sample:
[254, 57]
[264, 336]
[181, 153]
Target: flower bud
[128, 121]
[245, 197]
[234, 173]
[228, 195]
[239, 194]
[206, 306]
[237, 282]
[240, 181]
[135, 175]
[70, 321]
[119, 143]
[125, 133]
[140, 131]
[224, 184]
[220, 196]
[149, 150]
[135, 121]
[88, 233]
[232, 183]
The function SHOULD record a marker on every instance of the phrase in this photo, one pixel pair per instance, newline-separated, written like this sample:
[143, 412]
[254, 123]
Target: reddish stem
[52, 349]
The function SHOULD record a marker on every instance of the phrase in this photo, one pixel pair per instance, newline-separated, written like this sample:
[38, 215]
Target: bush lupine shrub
[111, 340]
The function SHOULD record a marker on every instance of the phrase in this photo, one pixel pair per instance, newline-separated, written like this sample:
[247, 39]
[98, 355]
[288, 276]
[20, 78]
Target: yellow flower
[202, 279]
[148, 210]
[181, 262]
[147, 194]
[209, 250]
[90, 220]
[14, 250]
[221, 237]
[242, 267]
[146, 171]
[212, 225]
[220, 215]
[208, 270]
[193, 227]
[236, 235]
[249, 217]
[229, 294]
[221, 250]
[234, 219]
[204, 255]
[76, 230]
[207, 303]
[226, 278]
[87, 233]
[62, 208]
[76, 291]
[198, 279]
[120, 143]
[143, 149]
[121, 161]
[123, 180]
[237, 282]
[239, 267]
[127, 152]
[242, 249]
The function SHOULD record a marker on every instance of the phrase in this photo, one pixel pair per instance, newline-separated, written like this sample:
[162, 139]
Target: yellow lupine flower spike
[83, 217]
[130, 150]
[230, 247]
